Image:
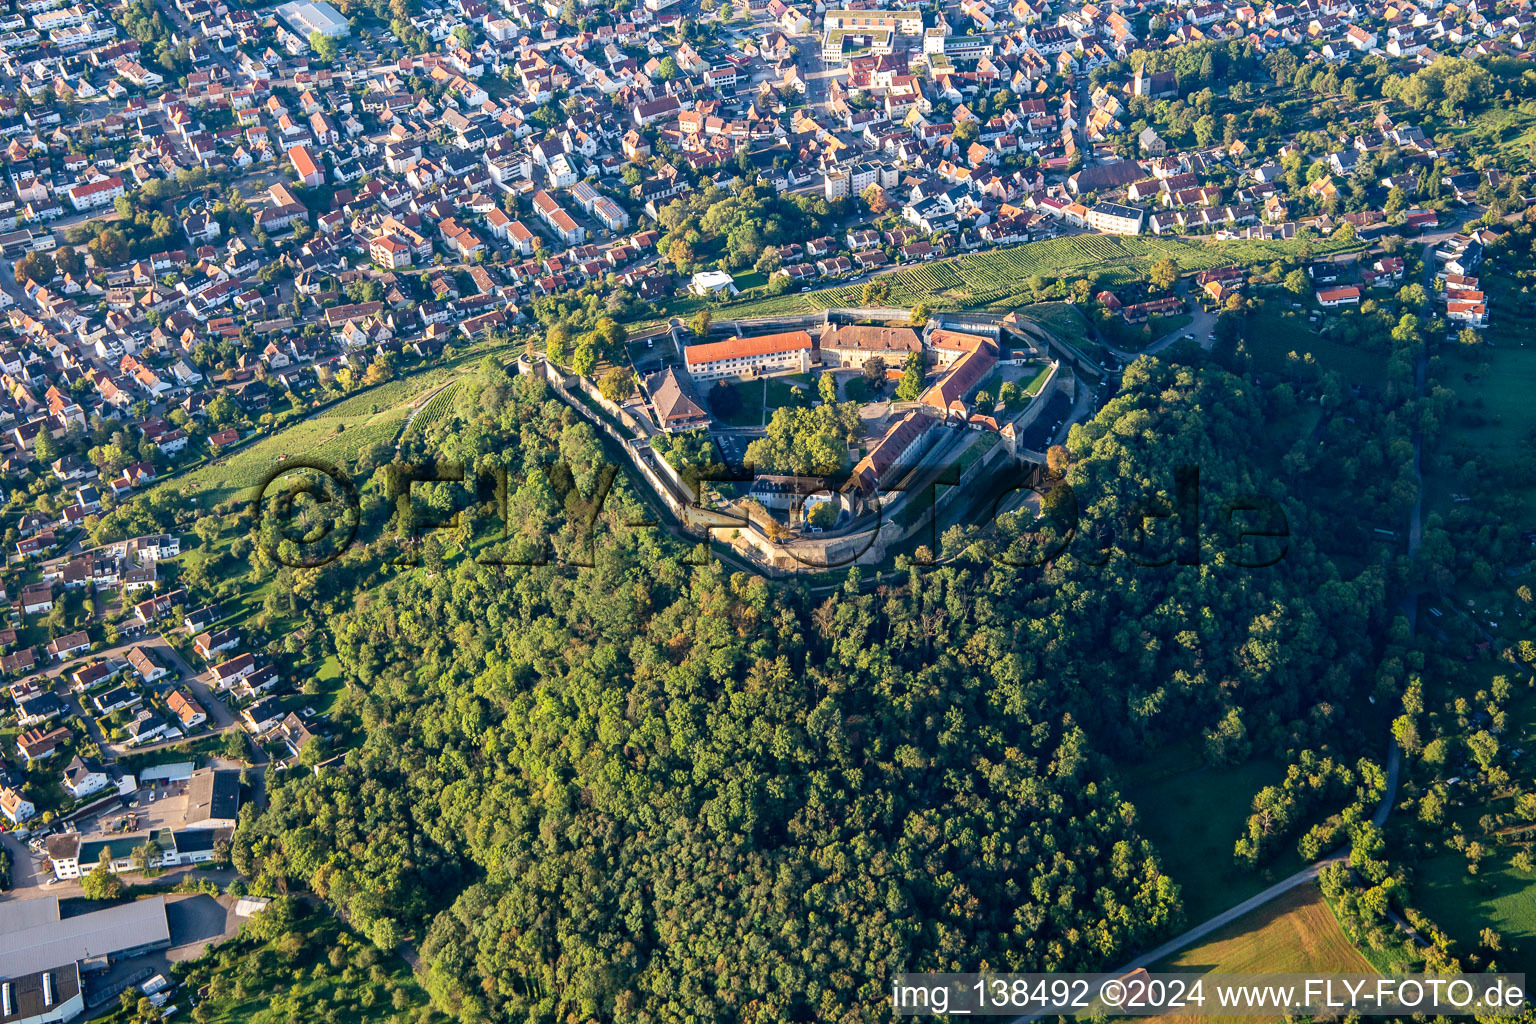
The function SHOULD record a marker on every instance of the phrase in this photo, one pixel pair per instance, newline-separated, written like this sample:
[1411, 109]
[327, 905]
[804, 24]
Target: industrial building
[42, 955]
[319, 16]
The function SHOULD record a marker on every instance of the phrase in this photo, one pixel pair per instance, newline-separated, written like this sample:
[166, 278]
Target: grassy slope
[1060, 318]
[1194, 815]
[301, 991]
[997, 278]
[337, 434]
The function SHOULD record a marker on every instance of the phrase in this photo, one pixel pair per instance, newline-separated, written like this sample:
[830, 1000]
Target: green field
[436, 408]
[295, 978]
[1498, 417]
[1063, 320]
[782, 392]
[1194, 815]
[1034, 384]
[1499, 896]
[998, 278]
[1273, 334]
[1508, 134]
[1493, 383]
[337, 434]
[751, 412]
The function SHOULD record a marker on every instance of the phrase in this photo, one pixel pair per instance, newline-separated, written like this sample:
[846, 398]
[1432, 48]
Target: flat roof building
[213, 798]
[318, 16]
[34, 938]
[42, 997]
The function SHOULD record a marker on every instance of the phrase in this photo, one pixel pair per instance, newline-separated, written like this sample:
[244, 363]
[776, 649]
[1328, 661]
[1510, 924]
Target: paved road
[1394, 754]
[167, 655]
[1303, 877]
[1200, 325]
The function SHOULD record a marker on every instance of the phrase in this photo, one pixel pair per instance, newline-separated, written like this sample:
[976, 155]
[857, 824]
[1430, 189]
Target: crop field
[436, 408]
[1295, 933]
[998, 278]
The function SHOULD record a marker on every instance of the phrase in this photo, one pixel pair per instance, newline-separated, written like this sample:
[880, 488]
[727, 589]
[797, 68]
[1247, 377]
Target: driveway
[180, 673]
[1201, 325]
[24, 873]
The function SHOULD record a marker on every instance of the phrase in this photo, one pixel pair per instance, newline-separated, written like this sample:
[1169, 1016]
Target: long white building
[736, 357]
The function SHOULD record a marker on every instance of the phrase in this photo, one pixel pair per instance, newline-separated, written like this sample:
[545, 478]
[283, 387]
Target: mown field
[998, 278]
[1295, 933]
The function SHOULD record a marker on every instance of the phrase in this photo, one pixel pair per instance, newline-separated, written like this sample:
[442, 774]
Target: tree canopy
[654, 790]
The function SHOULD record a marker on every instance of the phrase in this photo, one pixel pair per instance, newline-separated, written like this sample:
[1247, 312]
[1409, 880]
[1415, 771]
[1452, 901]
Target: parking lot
[648, 355]
[149, 808]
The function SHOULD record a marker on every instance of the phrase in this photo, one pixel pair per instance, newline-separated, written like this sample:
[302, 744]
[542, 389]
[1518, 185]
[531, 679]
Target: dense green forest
[652, 790]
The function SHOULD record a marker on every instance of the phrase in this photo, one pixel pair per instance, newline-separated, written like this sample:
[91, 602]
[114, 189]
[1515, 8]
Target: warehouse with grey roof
[43, 954]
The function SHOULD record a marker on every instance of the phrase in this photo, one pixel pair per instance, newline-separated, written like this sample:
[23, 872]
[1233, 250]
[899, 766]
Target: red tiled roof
[745, 348]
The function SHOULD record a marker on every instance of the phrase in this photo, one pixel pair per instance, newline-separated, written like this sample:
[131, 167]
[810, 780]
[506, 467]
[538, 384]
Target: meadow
[1507, 133]
[1195, 837]
[1274, 333]
[334, 436]
[1498, 897]
[339, 433]
[1493, 382]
